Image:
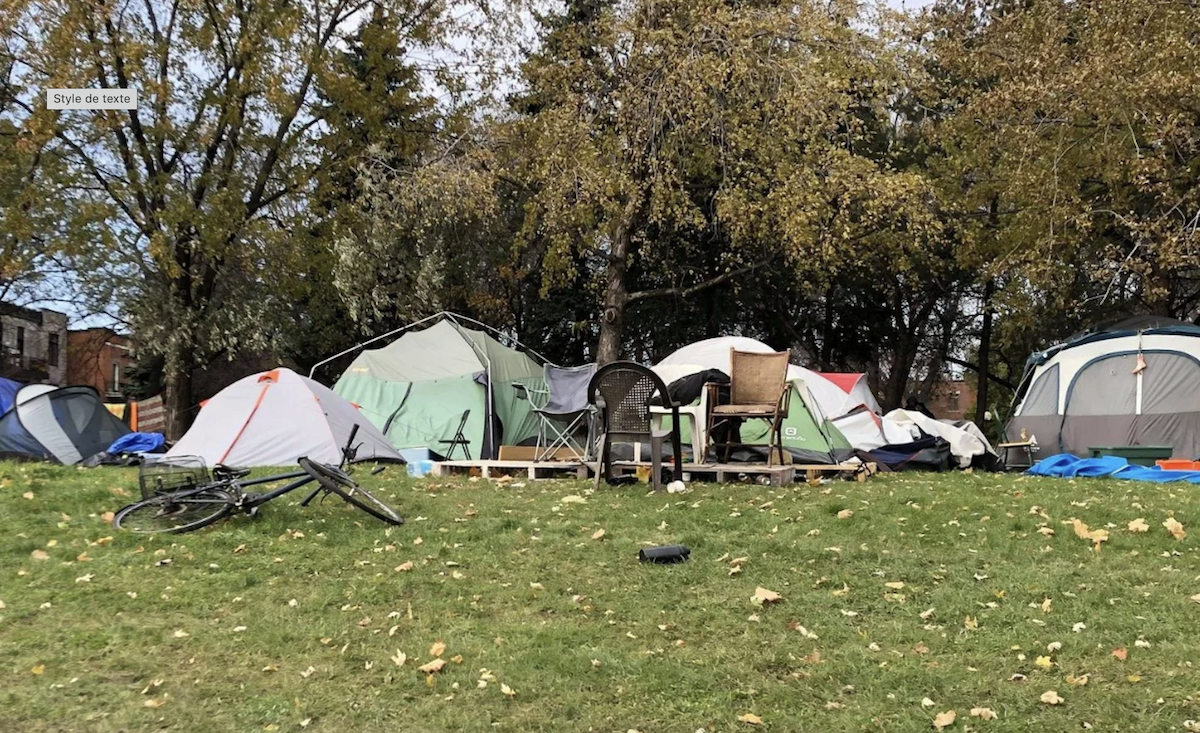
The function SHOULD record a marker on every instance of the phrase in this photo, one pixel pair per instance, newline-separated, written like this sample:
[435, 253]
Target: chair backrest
[757, 379]
[568, 387]
[462, 423]
[626, 388]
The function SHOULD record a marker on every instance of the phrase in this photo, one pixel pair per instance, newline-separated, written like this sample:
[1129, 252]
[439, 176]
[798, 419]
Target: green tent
[417, 388]
[807, 434]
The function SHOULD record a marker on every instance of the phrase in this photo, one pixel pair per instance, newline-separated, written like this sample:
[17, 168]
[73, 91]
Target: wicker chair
[621, 392]
[757, 390]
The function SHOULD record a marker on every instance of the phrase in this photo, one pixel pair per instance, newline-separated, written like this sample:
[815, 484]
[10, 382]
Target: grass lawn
[318, 618]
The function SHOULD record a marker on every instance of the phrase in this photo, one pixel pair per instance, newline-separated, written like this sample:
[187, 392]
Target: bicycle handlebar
[349, 451]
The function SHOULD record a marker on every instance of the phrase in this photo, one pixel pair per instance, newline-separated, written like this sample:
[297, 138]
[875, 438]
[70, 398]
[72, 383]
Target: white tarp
[965, 444]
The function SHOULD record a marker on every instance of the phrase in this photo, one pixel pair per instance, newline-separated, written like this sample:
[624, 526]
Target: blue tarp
[1065, 465]
[136, 443]
[8, 394]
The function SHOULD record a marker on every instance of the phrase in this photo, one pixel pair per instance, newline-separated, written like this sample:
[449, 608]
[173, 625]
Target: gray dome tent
[64, 425]
[1130, 382]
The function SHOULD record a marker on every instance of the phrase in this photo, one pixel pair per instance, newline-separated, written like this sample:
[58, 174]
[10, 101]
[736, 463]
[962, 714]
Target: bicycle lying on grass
[182, 496]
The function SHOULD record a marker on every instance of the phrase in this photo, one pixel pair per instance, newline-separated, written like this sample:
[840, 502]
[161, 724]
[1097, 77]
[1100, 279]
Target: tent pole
[356, 347]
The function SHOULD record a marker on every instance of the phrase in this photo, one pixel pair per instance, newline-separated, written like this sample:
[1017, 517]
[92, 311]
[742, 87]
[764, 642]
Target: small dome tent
[1131, 382]
[65, 425]
[273, 418]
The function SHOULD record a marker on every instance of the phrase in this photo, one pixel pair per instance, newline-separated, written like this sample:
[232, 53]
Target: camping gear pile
[834, 417]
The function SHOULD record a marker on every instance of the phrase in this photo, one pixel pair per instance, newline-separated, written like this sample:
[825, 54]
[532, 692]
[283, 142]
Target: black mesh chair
[621, 392]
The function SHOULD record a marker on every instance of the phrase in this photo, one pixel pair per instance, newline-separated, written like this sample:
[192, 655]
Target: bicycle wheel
[175, 513]
[339, 482]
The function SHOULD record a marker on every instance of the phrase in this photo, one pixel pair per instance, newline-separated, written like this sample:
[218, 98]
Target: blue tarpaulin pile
[1065, 465]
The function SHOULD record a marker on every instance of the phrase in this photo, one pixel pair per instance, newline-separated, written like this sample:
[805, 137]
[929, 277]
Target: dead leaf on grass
[1138, 525]
[40, 555]
[750, 718]
[944, 720]
[598, 534]
[845, 514]
[926, 614]
[762, 596]
[433, 666]
[438, 648]
[984, 713]
[157, 702]
[1043, 662]
[1050, 697]
[400, 658]
[1175, 528]
[508, 691]
[894, 585]
[1120, 653]
[927, 703]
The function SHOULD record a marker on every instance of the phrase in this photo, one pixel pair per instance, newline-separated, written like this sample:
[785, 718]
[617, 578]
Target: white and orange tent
[273, 418]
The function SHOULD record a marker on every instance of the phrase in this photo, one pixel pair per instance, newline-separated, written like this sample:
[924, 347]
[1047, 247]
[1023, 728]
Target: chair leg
[656, 446]
[600, 464]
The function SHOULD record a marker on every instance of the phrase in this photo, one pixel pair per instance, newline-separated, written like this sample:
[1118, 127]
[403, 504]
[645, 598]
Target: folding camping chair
[563, 409]
[459, 439]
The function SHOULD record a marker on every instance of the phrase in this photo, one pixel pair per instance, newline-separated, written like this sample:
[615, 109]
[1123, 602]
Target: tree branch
[684, 292]
[975, 368]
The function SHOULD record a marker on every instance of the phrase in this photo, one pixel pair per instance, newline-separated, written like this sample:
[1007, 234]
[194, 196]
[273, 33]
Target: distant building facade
[33, 345]
[99, 358]
[953, 399]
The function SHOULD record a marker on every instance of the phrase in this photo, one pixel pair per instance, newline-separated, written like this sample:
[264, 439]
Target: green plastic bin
[1138, 455]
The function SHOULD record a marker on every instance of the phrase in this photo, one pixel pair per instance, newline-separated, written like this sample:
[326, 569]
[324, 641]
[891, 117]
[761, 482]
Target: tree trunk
[985, 352]
[177, 394]
[616, 296]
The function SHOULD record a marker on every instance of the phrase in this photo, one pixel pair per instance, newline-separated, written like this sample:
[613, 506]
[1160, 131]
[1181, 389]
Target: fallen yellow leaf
[437, 649]
[1175, 528]
[1050, 697]
[944, 720]
[38, 669]
[598, 534]
[894, 585]
[750, 718]
[400, 658]
[157, 702]
[404, 567]
[40, 555]
[1043, 662]
[510, 692]
[763, 596]
[1138, 525]
[984, 713]
[845, 514]
[433, 666]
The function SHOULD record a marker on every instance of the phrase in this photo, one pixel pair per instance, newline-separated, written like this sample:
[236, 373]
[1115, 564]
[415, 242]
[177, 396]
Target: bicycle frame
[236, 486]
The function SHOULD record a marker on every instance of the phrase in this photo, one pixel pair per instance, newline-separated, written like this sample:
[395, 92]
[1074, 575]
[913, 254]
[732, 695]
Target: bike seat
[226, 473]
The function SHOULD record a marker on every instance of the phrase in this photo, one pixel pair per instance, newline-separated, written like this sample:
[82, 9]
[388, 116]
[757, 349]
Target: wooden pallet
[722, 473]
[860, 471]
[495, 469]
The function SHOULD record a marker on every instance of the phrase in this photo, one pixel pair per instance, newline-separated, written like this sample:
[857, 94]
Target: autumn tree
[204, 182]
[750, 105]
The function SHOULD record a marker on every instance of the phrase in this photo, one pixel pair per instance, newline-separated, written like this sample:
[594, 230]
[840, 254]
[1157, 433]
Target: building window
[52, 349]
[20, 340]
[116, 378]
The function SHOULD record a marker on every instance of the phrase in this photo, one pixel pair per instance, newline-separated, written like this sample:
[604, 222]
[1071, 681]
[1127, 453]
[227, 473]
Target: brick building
[99, 358]
[33, 345]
